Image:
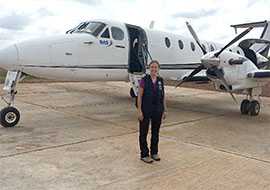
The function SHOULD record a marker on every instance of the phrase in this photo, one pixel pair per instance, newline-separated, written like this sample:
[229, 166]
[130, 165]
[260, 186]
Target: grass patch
[28, 78]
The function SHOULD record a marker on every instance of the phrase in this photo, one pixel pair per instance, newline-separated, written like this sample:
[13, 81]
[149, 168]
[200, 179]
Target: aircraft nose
[8, 56]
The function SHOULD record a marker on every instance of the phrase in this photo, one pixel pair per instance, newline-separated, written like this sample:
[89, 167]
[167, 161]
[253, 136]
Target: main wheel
[9, 117]
[255, 108]
[132, 93]
[245, 107]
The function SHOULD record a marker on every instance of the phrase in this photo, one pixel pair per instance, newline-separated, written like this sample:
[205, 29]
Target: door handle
[68, 53]
[118, 46]
[88, 43]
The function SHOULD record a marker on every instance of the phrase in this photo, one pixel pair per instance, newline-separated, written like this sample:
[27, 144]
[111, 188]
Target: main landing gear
[10, 116]
[250, 106]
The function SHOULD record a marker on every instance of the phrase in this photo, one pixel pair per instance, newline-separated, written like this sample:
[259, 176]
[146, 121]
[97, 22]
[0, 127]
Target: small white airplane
[101, 50]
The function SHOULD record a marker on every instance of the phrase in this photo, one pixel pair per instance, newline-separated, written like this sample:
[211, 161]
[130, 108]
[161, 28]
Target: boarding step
[134, 79]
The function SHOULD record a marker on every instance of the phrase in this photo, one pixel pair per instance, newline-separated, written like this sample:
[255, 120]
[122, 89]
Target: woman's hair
[154, 61]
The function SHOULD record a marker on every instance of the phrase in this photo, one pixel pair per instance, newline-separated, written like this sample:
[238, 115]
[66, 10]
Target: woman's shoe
[147, 159]
[155, 157]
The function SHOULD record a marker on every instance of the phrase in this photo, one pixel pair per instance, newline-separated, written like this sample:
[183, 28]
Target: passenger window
[167, 42]
[106, 34]
[180, 44]
[117, 33]
[212, 47]
[192, 45]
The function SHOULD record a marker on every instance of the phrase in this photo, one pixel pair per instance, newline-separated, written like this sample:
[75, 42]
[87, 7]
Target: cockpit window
[82, 26]
[93, 28]
[76, 28]
[105, 34]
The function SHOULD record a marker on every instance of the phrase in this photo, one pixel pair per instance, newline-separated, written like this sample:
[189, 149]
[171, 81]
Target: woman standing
[151, 107]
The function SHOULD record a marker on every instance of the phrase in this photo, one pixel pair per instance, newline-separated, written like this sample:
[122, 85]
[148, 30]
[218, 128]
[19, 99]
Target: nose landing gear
[10, 116]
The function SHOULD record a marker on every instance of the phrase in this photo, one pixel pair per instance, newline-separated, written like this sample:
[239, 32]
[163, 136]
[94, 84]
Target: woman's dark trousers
[155, 119]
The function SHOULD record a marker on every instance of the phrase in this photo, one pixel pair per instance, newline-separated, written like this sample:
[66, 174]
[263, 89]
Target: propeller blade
[194, 35]
[192, 74]
[220, 75]
[234, 40]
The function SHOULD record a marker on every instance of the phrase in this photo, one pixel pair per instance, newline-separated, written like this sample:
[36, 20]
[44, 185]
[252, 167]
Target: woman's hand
[140, 115]
[164, 115]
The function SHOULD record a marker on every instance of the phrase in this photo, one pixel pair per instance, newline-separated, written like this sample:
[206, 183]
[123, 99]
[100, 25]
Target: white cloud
[195, 14]
[210, 18]
[15, 21]
[89, 2]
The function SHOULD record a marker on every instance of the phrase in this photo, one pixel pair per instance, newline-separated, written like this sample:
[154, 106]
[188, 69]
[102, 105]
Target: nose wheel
[9, 117]
[252, 108]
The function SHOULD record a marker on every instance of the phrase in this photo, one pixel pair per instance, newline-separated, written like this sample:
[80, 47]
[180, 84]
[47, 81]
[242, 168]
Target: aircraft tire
[9, 117]
[255, 108]
[245, 107]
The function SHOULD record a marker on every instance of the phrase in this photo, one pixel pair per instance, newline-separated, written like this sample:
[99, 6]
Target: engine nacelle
[233, 68]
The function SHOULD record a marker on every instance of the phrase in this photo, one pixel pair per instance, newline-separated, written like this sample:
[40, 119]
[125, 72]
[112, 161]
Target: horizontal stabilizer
[250, 24]
[263, 49]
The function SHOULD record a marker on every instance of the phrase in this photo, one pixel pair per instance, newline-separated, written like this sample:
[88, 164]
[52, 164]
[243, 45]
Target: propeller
[220, 76]
[194, 35]
[201, 67]
[234, 40]
[218, 72]
[192, 74]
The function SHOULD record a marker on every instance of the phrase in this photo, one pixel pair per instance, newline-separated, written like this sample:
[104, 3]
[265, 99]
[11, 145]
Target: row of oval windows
[192, 45]
[181, 45]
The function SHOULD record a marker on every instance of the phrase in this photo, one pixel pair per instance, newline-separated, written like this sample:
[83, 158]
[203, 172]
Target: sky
[23, 19]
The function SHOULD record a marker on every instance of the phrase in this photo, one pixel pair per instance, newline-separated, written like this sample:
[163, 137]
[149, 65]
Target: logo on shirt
[159, 85]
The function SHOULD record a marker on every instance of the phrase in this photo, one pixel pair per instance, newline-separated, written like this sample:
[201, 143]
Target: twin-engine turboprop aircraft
[101, 50]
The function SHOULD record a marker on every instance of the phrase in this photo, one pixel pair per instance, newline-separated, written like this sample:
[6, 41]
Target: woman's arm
[139, 102]
[164, 104]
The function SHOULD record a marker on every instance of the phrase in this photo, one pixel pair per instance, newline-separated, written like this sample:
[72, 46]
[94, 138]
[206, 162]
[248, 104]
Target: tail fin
[263, 49]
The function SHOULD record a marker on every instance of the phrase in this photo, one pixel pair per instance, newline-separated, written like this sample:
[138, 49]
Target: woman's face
[154, 68]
